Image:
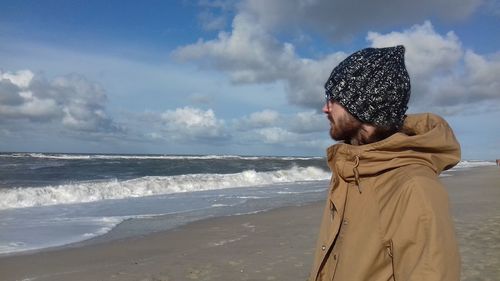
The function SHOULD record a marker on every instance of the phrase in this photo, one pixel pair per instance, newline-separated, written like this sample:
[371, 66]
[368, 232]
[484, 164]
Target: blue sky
[231, 77]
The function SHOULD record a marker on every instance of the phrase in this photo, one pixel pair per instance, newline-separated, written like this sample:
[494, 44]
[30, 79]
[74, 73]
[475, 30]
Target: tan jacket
[387, 214]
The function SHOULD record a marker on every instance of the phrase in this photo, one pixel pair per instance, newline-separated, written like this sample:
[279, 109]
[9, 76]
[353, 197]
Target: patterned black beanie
[373, 85]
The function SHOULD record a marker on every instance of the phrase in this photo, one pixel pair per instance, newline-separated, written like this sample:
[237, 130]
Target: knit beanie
[373, 85]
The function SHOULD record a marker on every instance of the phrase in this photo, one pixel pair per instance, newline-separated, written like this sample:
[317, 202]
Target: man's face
[343, 126]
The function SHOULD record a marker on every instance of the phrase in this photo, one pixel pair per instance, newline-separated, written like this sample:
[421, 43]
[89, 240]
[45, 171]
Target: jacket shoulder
[416, 220]
[415, 189]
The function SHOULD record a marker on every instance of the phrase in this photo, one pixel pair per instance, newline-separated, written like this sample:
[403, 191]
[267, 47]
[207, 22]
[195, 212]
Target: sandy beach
[475, 197]
[272, 245]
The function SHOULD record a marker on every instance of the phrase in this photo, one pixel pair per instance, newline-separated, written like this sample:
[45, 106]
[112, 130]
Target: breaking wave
[80, 192]
[465, 164]
[149, 157]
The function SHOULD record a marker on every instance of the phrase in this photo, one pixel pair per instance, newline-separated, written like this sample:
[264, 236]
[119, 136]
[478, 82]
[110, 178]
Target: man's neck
[365, 135]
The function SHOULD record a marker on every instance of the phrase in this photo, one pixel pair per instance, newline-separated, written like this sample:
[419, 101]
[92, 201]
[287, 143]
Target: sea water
[49, 200]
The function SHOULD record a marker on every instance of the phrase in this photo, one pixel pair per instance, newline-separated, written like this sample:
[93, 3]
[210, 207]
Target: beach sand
[273, 245]
[475, 199]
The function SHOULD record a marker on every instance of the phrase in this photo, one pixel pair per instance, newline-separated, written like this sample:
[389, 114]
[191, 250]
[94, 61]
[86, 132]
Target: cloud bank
[445, 76]
[250, 54]
[260, 49]
[337, 19]
[192, 124]
[70, 101]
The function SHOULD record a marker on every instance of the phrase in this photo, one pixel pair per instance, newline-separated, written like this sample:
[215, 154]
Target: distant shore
[272, 245]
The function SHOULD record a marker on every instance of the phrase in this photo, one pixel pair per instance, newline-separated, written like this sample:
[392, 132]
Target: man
[387, 215]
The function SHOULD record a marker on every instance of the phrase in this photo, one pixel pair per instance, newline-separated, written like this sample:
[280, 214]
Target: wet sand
[273, 245]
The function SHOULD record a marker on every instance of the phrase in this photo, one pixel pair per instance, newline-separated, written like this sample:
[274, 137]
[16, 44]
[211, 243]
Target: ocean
[50, 200]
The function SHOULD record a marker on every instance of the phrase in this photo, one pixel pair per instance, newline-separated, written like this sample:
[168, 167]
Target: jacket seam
[382, 234]
[425, 217]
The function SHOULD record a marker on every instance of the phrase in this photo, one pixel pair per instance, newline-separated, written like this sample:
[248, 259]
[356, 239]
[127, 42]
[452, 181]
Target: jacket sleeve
[424, 246]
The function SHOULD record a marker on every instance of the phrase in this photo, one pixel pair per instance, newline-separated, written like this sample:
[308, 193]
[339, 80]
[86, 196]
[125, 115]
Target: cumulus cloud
[265, 117]
[71, 101]
[302, 129]
[478, 83]
[445, 77]
[260, 119]
[427, 52]
[303, 122]
[308, 122]
[286, 138]
[18, 101]
[250, 54]
[483, 75]
[270, 127]
[189, 123]
[344, 18]
[275, 135]
[261, 129]
[304, 82]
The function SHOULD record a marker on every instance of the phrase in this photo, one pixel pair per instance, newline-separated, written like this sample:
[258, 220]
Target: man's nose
[326, 109]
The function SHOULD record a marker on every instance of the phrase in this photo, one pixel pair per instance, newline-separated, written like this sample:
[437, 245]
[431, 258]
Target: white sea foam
[149, 157]
[466, 164]
[80, 192]
[55, 231]
[219, 205]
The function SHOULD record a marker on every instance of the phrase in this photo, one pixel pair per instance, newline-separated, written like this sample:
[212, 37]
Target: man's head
[372, 86]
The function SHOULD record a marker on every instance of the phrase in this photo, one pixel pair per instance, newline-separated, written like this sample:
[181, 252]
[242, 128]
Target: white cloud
[275, 135]
[308, 122]
[189, 123]
[427, 52]
[298, 130]
[71, 101]
[305, 81]
[345, 18]
[286, 138]
[443, 74]
[445, 77]
[477, 83]
[266, 117]
[260, 119]
[249, 54]
[483, 74]
[21, 78]
[301, 123]
[258, 131]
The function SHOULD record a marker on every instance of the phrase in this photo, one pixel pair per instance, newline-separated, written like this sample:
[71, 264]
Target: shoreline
[221, 247]
[277, 244]
[115, 235]
[35, 229]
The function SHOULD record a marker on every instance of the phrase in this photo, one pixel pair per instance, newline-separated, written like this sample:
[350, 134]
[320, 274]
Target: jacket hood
[425, 139]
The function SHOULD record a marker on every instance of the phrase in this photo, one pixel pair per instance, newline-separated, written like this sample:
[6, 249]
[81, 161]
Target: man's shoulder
[406, 176]
[412, 182]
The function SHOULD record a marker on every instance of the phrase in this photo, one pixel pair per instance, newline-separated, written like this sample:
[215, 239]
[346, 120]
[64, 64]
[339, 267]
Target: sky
[231, 77]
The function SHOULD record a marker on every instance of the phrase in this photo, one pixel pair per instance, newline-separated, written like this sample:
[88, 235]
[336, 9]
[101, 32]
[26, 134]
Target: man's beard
[345, 129]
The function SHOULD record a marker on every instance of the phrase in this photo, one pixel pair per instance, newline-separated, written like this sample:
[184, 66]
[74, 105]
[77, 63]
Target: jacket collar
[425, 139]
